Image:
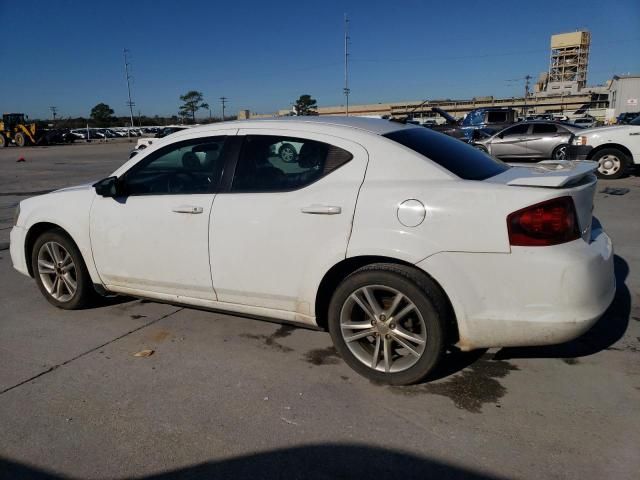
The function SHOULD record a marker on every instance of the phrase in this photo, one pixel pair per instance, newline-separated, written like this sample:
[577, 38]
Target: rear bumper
[578, 152]
[531, 296]
[16, 249]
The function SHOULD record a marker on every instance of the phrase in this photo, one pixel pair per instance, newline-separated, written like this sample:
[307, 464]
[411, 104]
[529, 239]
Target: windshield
[456, 156]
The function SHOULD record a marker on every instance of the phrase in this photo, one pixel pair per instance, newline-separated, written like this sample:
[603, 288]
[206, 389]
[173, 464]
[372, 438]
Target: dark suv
[488, 119]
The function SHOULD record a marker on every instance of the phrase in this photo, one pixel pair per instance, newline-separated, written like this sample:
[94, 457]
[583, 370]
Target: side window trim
[215, 183]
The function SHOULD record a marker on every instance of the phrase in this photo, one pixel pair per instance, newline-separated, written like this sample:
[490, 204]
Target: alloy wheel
[57, 271]
[561, 153]
[383, 328]
[287, 154]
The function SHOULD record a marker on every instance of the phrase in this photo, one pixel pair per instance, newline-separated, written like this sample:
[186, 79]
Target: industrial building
[562, 90]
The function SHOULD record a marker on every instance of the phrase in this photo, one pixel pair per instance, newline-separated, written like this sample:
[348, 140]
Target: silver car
[529, 140]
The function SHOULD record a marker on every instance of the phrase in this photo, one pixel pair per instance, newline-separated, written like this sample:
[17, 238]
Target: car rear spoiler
[548, 173]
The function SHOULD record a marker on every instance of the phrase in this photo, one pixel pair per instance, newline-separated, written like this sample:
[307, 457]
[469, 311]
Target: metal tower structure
[569, 60]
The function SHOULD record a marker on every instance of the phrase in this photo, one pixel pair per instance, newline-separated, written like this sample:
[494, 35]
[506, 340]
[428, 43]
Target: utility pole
[347, 91]
[223, 100]
[54, 111]
[126, 71]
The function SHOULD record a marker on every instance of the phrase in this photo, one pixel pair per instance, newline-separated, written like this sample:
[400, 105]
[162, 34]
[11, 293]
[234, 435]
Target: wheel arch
[34, 232]
[347, 266]
[616, 146]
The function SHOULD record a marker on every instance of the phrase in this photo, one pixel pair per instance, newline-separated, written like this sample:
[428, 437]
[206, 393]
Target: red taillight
[547, 223]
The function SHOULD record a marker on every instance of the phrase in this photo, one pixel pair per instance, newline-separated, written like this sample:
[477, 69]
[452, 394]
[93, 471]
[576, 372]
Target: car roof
[546, 122]
[371, 125]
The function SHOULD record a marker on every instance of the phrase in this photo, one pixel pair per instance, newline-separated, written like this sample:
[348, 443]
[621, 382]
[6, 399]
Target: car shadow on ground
[323, 461]
[607, 331]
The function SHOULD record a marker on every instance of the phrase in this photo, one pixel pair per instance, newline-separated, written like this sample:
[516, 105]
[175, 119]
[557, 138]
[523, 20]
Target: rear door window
[516, 130]
[496, 117]
[539, 128]
[269, 163]
[454, 155]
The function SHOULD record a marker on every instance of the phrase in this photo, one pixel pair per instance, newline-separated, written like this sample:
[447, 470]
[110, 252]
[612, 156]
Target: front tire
[612, 163]
[288, 153]
[560, 152]
[60, 271]
[20, 139]
[3, 141]
[388, 323]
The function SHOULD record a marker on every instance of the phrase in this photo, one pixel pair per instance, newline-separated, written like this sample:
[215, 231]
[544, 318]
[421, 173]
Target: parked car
[529, 140]
[493, 118]
[84, 133]
[585, 122]
[80, 134]
[626, 118]
[145, 142]
[541, 116]
[169, 130]
[615, 148]
[399, 240]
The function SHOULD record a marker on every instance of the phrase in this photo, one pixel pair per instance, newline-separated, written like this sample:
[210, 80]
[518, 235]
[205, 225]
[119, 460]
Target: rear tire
[612, 163]
[3, 141]
[20, 139]
[60, 271]
[406, 321]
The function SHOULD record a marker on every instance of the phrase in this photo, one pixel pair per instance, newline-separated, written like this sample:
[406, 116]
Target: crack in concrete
[66, 362]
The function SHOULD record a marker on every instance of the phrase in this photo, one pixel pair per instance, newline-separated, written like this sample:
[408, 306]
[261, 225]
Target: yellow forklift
[13, 127]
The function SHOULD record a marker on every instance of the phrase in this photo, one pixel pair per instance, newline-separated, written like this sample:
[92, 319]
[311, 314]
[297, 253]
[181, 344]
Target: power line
[130, 103]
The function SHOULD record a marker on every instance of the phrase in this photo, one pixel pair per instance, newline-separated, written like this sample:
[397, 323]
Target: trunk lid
[572, 178]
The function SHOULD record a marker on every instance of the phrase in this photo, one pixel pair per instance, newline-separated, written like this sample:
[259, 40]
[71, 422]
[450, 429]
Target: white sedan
[399, 240]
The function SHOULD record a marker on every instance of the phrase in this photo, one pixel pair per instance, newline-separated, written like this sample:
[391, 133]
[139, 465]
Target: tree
[102, 114]
[193, 101]
[306, 105]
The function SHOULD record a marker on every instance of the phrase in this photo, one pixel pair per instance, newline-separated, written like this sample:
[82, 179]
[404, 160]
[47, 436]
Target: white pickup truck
[616, 149]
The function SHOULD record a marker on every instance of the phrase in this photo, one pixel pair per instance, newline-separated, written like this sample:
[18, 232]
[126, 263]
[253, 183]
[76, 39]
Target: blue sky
[263, 54]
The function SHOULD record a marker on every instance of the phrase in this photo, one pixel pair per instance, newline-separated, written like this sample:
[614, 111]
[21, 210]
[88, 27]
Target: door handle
[187, 209]
[321, 209]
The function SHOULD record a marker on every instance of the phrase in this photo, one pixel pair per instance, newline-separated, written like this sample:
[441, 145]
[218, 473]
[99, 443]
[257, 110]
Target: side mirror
[108, 187]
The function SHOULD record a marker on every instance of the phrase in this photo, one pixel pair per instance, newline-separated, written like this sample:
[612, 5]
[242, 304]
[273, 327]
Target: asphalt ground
[229, 397]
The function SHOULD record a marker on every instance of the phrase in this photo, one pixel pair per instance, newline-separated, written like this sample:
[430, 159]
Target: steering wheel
[181, 181]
